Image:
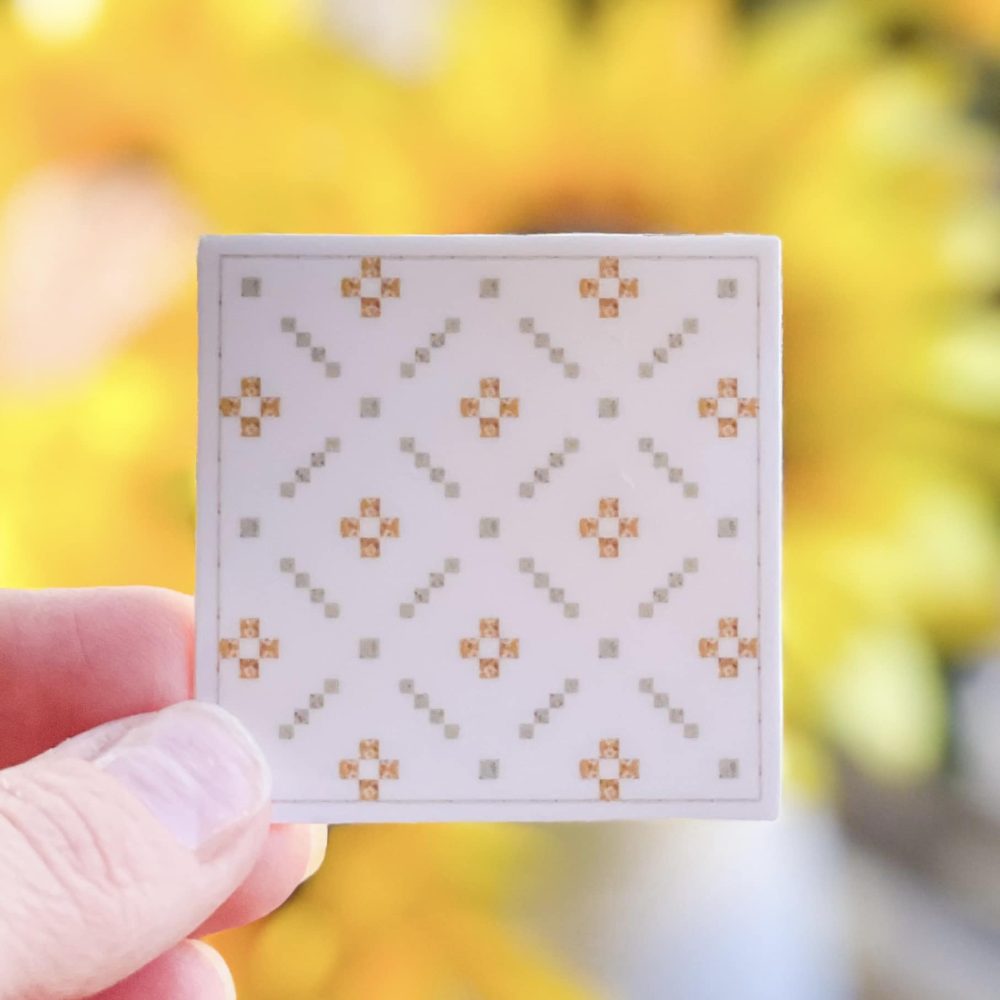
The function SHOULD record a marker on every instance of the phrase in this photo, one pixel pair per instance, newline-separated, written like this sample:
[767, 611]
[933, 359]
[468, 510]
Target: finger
[192, 970]
[291, 854]
[72, 659]
[114, 848]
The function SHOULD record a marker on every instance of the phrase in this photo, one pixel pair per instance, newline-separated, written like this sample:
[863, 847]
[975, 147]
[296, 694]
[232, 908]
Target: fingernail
[195, 768]
[317, 849]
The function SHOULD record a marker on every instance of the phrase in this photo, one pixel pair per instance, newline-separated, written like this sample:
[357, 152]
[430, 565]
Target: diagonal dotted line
[303, 339]
[422, 595]
[557, 355]
[300, 717]
[542, 716]
[422, 460]
[435, 716]
[661, 355]
[674, 714]
[302, 581]
[661, 460]
[661, 595]
[541, 582]
[303, 474]
[423, 355]
[557, 459]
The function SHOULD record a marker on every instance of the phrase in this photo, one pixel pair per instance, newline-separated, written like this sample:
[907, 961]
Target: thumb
[118, 843]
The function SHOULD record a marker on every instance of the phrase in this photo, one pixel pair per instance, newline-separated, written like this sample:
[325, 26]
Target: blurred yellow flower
[975, 21]
[537, 115]
[404, 912]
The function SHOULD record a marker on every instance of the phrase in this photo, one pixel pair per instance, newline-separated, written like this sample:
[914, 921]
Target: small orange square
[249, 628]
[727, 388]
[608, 749]
[390, 288]
[746, 408]
[270, 406]
[370, 506]
[229, 406]
[748, 648]
[371, 308]
[371, 267]
[708, 406]
[370, 548]
[388, 769]
[607, 507]
[588, 288]
[350, 527]
[250, 386]
[468, 648]
[350, 288]
[589, 769]
[348, 768]
[368, 749]
[509, 407]
[489, 669]
[489, 388]
[249, 669]
[628, 769]
[250, 427]
[608, 548]
[628, 288]
[469, 406]
[368, 790]
[728, 667]
[628, 527]
[510, 649]
[708, 647]
[609, 790]
[608, 267]
[607, 308]
[268, 649]
[229, 649]
[489, 427]
[489, 628]
[588, 527]
[389, 527]
[729, 628]
[728, 427]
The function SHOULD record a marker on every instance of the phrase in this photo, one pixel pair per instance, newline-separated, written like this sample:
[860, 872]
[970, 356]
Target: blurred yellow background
[865, 133]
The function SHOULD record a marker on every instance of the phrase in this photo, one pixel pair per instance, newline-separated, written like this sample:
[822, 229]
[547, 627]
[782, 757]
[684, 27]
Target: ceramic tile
[489, 526]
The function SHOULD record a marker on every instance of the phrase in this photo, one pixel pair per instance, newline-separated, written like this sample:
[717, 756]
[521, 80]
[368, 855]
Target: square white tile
[489, 526]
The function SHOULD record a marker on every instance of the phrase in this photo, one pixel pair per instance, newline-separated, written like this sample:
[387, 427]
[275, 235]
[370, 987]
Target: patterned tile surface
[489, 526]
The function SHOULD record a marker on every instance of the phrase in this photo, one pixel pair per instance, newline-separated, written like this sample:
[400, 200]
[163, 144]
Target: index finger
[73, 659]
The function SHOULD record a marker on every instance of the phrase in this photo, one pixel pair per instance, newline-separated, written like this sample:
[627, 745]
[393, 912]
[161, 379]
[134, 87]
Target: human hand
[122, 844]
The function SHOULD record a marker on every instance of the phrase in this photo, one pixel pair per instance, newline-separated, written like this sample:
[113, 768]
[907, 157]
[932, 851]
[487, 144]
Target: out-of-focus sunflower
[975, 22]
[677, 115]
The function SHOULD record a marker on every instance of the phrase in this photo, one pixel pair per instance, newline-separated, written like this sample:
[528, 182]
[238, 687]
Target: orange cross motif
[368, 769]
[370, 527]
[490, 648]
[249, 648]
[250, 407]
[727, 407]
[728, 648]
[608, 527]
[489, 406]
[609, 769]
[370, 287]
[608, 288]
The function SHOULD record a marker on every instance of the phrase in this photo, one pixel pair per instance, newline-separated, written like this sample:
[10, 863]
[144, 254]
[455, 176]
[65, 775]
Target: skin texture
[98, 883]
